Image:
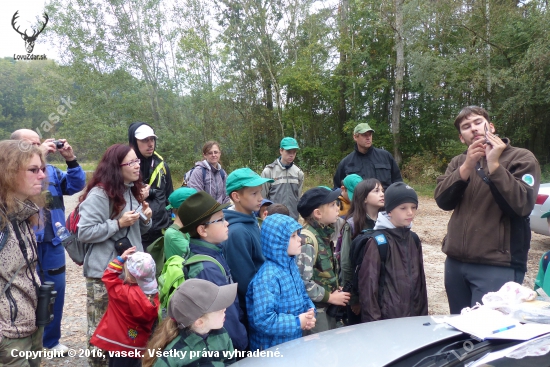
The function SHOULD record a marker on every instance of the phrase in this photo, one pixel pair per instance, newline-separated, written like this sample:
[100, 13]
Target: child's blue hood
[275, 235]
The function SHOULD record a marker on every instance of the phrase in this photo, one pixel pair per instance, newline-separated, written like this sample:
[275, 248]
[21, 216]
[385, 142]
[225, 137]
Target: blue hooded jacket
[276, 295]
[242, 250]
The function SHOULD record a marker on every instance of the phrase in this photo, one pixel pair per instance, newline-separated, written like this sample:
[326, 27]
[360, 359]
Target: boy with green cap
[175, 241]
[242, 249]
[287, 179]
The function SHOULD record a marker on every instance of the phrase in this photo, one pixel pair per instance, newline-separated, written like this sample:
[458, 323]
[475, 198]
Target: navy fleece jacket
[243, 250]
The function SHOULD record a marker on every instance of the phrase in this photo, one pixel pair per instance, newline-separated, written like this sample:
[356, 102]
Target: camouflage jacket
[319, 275]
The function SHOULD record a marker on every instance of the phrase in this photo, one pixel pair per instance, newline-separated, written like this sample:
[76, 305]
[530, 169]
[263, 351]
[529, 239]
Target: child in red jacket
[132, 310]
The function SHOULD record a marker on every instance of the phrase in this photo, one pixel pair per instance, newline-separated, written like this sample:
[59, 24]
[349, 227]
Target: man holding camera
[156, 176]
[51, 254]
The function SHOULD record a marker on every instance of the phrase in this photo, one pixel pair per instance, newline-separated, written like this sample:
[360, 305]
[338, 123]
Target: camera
[141, 215]
[338, 312]
[58, 144]
[46, 299]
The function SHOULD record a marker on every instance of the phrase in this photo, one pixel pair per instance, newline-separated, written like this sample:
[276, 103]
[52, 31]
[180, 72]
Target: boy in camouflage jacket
[319, 208]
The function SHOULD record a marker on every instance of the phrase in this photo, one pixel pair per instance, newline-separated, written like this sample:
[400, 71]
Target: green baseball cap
[350, 182]
[243, 177]
[179, 196]
[289, 143]
[546, 215]
[362, 128]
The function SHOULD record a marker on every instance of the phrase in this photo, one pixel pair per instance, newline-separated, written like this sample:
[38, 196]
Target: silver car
[403, 342]
[540, 225]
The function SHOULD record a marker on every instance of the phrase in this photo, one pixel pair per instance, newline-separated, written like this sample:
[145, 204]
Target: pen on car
[503, 329]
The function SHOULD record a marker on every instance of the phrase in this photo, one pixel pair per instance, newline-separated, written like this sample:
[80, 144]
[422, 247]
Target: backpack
[310, 234]
[174, 273]
[187, 175]
[156, 250]
[75, 248]
[357, 252]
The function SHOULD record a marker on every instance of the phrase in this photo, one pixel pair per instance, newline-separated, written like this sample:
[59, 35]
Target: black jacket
[375, 163]
[159, 179]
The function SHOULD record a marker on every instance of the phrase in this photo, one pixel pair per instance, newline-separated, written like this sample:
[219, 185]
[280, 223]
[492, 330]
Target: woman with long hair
[208, 174]
[21, 184]
[109, 216]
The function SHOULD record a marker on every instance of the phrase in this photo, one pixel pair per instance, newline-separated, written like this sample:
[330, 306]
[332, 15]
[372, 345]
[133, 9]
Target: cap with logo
[399, 193]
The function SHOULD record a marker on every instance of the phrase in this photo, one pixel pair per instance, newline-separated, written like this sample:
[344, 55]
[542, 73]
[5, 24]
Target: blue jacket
[243, 250]
[210, 271]
[277, 295]
[60, 183]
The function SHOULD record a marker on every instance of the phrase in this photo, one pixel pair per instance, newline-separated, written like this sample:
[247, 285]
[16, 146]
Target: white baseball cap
[144, 131]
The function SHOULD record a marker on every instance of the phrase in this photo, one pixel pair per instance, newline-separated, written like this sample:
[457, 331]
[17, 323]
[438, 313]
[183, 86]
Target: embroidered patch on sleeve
[528, 179]
[381, 239]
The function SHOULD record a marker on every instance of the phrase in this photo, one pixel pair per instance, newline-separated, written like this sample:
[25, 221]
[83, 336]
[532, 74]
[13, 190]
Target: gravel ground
[430, 224]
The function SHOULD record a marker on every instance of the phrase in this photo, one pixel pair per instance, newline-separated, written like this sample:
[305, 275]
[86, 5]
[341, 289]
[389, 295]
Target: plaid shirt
[276, 295]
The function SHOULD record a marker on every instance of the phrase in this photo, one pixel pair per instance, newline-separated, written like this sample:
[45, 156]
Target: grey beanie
[398, 193]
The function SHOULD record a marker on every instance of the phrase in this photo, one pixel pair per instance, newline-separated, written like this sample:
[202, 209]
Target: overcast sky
[10, 41]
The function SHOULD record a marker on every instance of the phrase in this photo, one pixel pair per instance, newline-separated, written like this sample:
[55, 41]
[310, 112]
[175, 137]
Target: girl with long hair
[109, 215]
[21, 184]
[368, 200]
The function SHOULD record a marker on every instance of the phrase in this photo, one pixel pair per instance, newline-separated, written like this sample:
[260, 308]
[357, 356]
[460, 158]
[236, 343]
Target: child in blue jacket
[277, 302]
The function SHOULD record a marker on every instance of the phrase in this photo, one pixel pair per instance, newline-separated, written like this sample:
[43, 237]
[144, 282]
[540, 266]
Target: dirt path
[430, 224]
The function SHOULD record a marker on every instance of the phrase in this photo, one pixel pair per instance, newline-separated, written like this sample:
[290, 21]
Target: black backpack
[357, 252]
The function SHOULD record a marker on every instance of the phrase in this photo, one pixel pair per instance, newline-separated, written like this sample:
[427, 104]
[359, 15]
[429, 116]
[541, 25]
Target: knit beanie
[399, 193]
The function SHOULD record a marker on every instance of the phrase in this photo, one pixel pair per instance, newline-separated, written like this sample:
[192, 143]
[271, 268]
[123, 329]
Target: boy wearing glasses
[204, 220]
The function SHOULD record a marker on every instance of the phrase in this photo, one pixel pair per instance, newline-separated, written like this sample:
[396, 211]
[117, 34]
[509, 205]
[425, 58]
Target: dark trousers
[124, 362]
[467, 283]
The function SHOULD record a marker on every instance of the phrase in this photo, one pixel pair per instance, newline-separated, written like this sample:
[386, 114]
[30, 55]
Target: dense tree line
[247, 73]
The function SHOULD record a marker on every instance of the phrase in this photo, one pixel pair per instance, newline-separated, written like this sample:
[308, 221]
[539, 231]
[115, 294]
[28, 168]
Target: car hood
[371, 344]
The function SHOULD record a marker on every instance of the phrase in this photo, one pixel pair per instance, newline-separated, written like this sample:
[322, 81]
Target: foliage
[247, 73]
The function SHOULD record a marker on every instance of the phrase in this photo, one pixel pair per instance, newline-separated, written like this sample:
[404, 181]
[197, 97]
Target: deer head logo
[29, 40]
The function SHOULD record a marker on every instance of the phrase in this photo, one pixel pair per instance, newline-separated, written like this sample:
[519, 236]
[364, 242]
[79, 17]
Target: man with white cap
[367, 161]
[156, 175]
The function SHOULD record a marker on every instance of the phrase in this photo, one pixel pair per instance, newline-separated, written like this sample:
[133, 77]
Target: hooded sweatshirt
[243, 250]
[277, 295]
[404, 288]
[213, 182]
[159, 179]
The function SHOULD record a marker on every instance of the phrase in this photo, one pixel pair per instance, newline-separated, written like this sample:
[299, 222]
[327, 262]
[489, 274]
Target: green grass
[85, 166]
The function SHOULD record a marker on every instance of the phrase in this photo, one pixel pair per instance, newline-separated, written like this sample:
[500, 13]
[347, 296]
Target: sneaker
[59, 350]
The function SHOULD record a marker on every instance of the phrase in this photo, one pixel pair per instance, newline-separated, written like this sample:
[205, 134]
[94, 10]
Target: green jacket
[175, 242]
[318, 272]
[191, 349]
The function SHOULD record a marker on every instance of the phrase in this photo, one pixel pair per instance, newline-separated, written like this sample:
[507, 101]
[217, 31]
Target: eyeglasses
[215, 221]
[147, 140]
[213, 153]
[131, 163]
[36, 170]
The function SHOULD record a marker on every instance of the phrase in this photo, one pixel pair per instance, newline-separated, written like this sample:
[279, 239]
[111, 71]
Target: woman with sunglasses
[109, 216]
[21, 184]
[208, 174]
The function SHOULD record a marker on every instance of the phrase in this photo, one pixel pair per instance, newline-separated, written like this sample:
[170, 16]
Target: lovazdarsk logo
[29, 39]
